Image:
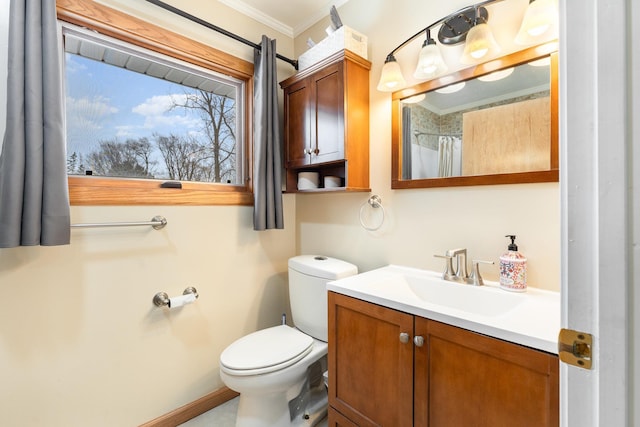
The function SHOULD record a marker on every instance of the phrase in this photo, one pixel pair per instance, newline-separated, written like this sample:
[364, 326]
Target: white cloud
[73, 66]
[86, 116]
[87, 121]
[126, 131]
[154, 106]
[158, 112]
[90, 109]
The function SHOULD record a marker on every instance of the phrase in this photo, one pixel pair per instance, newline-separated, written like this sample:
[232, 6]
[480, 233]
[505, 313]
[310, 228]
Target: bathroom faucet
[460, 273]
[460, 254]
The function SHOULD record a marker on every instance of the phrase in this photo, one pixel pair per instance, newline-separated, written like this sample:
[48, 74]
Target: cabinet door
[468, 379]
[328, 114]
[336, 419]
[297, 124]
[370, 369]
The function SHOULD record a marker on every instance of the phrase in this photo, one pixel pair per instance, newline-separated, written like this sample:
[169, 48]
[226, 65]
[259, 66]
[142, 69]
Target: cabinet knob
[316, 151]
[404, 337]
[418, 340]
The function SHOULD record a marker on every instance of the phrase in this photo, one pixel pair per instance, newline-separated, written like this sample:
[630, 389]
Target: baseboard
[193, 409]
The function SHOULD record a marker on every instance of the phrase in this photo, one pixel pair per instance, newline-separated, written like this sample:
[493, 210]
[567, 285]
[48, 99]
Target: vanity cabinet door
[327, 113]
[336, 419]
[370, 363]
[298, 123]
[467, 379]
[314, 123]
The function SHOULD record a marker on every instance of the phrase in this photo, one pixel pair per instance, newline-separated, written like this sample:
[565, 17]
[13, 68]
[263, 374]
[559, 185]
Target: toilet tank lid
[322, 266]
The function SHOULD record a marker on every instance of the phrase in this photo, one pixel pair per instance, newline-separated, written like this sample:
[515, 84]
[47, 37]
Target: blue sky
[105, 102]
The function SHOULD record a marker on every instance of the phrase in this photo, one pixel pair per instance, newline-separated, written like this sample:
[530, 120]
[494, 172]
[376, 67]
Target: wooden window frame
[92, 190]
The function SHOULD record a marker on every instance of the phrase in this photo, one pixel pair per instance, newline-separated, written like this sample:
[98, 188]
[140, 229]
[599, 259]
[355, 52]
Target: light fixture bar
[441, 21]
[455, 28]
[430, 62]
[468, 25]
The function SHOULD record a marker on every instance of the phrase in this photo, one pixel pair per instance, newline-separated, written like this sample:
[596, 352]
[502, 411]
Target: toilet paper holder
[161, 299]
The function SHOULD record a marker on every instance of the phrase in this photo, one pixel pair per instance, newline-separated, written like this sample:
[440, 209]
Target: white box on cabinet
[343, 38]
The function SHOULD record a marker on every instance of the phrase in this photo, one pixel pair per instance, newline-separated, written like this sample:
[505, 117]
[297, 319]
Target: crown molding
[268, 20]
[259, 16]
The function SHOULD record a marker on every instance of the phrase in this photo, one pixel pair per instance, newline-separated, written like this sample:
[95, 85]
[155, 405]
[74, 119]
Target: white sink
[481, 300]
[427, 287]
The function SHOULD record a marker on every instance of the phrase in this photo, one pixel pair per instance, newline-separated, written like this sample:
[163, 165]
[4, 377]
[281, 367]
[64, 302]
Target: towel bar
[157, 222]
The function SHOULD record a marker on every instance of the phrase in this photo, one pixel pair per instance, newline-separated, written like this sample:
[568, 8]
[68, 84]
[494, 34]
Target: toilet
[277, 370]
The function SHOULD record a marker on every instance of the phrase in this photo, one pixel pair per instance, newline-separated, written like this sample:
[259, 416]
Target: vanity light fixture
[480, 44]
[470, 26]
[430, 62]
[391, 78]
[540, 18]
[453, 30]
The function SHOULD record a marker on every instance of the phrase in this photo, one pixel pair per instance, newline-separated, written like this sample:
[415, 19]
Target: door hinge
[574, 348]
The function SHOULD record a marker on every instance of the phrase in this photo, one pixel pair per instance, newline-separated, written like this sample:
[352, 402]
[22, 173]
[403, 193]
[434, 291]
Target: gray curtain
[267, 170]
[34, 199]
[406, 143]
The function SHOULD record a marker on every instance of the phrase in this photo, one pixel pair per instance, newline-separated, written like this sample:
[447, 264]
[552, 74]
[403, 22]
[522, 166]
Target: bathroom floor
[223, 416]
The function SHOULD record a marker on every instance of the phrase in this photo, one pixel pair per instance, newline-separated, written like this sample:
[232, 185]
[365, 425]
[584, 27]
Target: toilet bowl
[265, 391]
[270, 368]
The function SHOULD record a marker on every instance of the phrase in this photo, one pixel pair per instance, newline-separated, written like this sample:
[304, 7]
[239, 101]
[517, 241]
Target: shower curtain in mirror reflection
[267, 177]
[440, 158]
[406, 144]
[34, 199]
[448, 156]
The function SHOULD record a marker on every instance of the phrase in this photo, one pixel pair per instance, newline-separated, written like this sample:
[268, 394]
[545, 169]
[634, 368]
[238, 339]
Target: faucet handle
[457, 251]
[475, 274]
[449, 273]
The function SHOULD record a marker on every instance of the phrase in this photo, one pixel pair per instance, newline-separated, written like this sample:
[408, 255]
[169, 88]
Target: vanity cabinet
[389, 368]
[326, 124]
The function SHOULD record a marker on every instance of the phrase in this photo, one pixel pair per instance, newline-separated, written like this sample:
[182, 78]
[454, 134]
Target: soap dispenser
[513, 268]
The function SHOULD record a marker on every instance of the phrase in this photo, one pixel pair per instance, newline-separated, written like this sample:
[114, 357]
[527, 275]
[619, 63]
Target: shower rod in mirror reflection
[157, 222]
[375, 202]
[161, 299]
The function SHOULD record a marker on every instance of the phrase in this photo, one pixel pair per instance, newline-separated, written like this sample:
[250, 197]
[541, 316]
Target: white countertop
[534, 320]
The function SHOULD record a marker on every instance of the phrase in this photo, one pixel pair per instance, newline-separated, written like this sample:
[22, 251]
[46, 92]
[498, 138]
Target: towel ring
[375, 202]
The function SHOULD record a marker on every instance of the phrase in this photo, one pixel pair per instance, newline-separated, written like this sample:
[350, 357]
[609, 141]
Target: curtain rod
[218, 29]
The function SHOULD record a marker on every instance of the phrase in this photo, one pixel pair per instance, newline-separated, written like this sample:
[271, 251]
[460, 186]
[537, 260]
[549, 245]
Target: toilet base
[275, 411]
[303, 405]
[283, 398]
[263, 410]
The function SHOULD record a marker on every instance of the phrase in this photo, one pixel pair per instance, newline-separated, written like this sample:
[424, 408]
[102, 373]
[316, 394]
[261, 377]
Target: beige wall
[421, 223]
[80, 341]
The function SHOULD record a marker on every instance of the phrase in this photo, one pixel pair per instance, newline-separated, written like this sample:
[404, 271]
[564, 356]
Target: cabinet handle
[404, 337]
[418, 340]
[316, 151]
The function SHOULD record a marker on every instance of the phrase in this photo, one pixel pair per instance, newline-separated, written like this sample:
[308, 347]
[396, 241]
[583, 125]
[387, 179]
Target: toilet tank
[308, 277]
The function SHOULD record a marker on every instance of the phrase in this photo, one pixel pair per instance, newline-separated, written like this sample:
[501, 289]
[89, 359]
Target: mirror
[474, 128]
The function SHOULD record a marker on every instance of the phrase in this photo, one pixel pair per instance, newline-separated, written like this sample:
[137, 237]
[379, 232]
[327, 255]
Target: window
[132, 113]
[139, 120]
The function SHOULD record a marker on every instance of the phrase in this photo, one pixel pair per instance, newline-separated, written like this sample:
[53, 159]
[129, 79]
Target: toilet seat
[264, 351]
